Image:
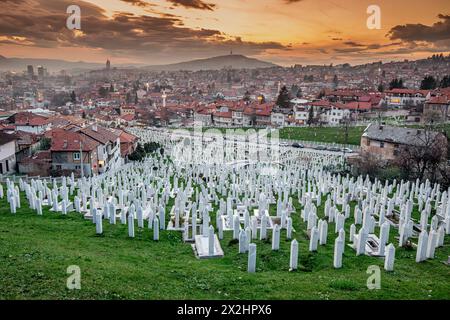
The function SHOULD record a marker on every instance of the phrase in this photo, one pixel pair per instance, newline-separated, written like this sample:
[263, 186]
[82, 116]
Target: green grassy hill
[35, 252]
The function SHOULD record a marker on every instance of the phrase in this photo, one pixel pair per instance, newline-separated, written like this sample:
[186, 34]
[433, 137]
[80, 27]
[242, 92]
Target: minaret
[164, 96]
[108, 65]
[279, 86]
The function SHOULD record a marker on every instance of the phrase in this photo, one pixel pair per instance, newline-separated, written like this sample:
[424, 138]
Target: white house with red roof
[404, 97]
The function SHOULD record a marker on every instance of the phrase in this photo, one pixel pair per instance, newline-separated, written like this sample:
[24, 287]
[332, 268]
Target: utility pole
[81, 158]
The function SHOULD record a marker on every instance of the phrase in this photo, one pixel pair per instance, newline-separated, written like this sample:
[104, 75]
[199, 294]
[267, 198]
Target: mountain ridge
[214, 63]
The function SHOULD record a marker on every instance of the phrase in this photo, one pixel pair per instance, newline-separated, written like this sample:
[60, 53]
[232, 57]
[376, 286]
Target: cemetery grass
[35, 252]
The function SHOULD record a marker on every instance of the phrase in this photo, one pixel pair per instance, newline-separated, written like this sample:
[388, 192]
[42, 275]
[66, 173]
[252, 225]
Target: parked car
[298, 145]
[335, 149]
[320, 147]
[347, 150]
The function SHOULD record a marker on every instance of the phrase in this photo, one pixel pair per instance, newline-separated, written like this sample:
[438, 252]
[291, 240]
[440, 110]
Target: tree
[380, 87]
[247, 96]
[310, 120]
[294, 90]
[111, 88]
[335, 82]
[283, 98]
[423, 154]
[73, 97]
[45, 143]
[103, 92]
[428, 83]
[396, 84]
[445, 82]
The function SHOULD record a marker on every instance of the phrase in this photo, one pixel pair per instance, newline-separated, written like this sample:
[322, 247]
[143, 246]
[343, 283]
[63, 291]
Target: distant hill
[52, 65]
[215, 63]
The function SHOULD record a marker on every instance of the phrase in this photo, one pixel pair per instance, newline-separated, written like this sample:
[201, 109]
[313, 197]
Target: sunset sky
[281, 31]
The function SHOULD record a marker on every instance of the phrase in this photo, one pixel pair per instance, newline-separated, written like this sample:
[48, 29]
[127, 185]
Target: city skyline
[284, 32]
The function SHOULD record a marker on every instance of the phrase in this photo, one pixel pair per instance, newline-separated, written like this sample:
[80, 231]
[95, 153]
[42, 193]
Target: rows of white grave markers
[139, 193]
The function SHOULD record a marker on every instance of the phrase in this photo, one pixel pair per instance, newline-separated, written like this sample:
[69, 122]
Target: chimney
[94, 127]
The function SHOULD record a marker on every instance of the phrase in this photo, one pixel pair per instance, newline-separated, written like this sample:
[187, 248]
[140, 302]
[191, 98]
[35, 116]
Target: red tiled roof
[63, 140]
[29, 119]
[408, 91]
[128, 117]
[439, 100]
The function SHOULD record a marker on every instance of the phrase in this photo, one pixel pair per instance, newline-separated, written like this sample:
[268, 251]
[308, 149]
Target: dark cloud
[189, 4]
[353, 44]
[138, 3]
[292, 1]
[137, 36]
[418, 32]
[193, 4]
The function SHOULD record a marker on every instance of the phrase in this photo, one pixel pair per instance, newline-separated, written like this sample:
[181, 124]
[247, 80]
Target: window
[76, 156]
[381, 144]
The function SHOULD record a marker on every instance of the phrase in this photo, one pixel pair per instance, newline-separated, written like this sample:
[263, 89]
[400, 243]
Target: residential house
[30, 122]
[385, 142]
[108, 152]
[7, 153]
[73, 152]
[437, 108]
[406, 97]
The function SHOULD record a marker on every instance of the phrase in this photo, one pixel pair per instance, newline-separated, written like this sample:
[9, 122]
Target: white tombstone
[441, 236]
[361, 244]
[254, 227]
[64, 207]
[313, 241]
[431, 246]
[156, 229]
[39, 206]
[220, 227]
[211, 240]
[236, 227]
[289, 228]
[276, 237]
[421, 254]
[323, 232]
[389, 258]
[131, 225]
[251, 265]
[242, 241]
[338, 252]
[12, 204]
[263, 231]
[98, 222]
[352, 233]
[384, 237]
[293, 262]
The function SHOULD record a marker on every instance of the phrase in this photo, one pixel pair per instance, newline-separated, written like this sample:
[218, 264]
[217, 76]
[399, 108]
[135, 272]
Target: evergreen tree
[283, 98]
[335, 81]
[103, 92]
[247, 96]
[380, 87]
[428, 83]
[73, 97]
[445, 82]
[396, 84]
